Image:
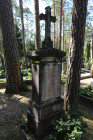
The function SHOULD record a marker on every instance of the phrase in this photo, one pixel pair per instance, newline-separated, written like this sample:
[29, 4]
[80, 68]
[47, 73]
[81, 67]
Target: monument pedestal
[46, 103]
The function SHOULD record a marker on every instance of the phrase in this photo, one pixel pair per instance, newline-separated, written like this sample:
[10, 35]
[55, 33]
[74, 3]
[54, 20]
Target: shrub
[2, 74]
[29, 77]
[68, 128]
[2, 80]
[88, 87]
[1, 67]
[91, 62]
[85, 91]
[63, 79]
[29, 70]
[24, 72]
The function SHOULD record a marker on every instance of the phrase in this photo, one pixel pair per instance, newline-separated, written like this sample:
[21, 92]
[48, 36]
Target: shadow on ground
[13, 114]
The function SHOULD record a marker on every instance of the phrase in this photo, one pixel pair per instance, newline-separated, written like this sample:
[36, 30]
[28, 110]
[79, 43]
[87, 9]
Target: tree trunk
[60, 23]
[1, 51]
[57, 45]
[37, 24]
[91, 50]
[13, 74]
[23, 34]
[54, 24]
[76, 51]
[63, 30]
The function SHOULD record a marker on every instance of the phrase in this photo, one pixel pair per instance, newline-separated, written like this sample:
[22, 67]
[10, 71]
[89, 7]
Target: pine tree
[76, 53]
[14, 80]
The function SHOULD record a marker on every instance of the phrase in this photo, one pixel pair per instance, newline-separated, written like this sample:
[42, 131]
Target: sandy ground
[13, 110]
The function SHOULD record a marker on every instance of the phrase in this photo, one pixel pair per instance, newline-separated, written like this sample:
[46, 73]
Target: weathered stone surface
[64, 67]
[46, 109]
[40, 53]
[47, 43]
[46, 79]
[42, 127]
[46, 103]
[50, 86]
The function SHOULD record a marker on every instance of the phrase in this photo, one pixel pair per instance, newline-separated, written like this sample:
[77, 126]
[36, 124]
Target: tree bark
[23, 34]
[37, 24]
[91, 50]
[14, 80]
[71, 96]
[57, 45]
[54, 24]
[60, 23]
[1, 51]
[63, 30]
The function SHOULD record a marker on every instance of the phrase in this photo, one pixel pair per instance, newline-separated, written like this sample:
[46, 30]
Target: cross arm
[53, 19]
[42, 16]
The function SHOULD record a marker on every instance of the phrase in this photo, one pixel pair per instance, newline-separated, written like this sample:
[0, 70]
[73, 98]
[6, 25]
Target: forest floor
[13, 114]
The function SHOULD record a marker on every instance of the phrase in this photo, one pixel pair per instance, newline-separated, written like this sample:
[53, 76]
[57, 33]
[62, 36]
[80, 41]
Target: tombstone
[46, 103]
[87, 67]
[89, 64]
[64, 68]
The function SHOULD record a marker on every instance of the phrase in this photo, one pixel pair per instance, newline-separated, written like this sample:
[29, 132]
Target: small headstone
[64, 67]
[89, 65]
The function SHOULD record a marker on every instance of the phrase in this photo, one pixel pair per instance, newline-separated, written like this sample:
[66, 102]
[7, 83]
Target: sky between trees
[44, 3]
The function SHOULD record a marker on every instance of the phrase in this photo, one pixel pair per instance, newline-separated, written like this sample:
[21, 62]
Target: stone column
[46, 103]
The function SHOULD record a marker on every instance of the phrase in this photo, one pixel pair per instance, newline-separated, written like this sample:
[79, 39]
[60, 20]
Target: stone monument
[46, 103]
[64, 68]
[47, 43]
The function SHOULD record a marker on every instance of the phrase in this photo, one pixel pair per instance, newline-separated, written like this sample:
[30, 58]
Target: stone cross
[47, 43]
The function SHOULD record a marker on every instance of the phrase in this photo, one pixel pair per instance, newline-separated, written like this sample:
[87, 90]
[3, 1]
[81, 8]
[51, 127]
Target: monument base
[41, 116]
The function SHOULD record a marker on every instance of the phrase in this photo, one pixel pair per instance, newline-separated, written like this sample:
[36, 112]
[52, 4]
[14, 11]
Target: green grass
[2, 80]
[63, 79]
[84, 114]
[29, 77]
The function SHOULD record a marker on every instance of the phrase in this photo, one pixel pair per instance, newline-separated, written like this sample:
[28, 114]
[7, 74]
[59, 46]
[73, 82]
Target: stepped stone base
[41, 116]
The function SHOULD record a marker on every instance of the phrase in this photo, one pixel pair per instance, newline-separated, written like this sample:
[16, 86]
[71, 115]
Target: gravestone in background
[89, 64]
[46, 103]
[64, 67]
